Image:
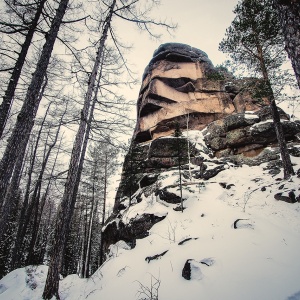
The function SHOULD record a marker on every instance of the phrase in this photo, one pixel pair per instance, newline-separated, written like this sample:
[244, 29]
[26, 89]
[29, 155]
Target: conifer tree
[16, 72]
[289, 16]
[255, 40]
[133, 165]
[19, 138]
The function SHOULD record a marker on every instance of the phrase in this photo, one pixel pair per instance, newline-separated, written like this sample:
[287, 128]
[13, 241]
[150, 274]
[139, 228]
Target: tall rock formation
[181, 80]
[181, 87]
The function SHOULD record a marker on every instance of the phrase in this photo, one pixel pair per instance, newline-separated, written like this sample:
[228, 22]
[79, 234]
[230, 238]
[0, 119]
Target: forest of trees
[62, 67]
[255, 40]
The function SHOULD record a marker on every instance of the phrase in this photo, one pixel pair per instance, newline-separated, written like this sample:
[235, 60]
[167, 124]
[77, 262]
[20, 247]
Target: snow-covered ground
[259, 259]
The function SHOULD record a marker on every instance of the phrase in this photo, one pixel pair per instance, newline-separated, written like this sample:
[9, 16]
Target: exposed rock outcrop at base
[247, 133]
[137, 228]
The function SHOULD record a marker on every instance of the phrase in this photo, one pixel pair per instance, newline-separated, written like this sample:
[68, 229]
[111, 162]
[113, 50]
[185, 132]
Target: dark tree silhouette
[255, 40]
[289, 16]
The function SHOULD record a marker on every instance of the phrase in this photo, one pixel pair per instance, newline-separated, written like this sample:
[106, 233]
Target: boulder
[240, 120]
[192, 270]
[148, 179]
[138, 228]
[247, 133]
[167, 196]
[206, 174]
[287, 196]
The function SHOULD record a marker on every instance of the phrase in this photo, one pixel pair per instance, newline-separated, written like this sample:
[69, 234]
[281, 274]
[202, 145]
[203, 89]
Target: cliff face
[181, 81]
[221, 122]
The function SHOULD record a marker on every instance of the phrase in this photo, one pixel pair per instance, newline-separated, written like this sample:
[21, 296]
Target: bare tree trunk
[15, 260]
[12, 188]
[12, 84]
[285, 156]
[17, 142]
[103, 210]
[84, 244]
[188, 145]
[36, 198]
[180, 183]
[89, 237]
[44, 236]
[289, 16]
[66, 208]
[77, 243]
[84, 147]
[13, 197]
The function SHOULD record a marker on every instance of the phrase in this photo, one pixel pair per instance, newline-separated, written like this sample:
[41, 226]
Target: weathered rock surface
[167, 196]
[247, 133]
[180, 80]
[138, 228]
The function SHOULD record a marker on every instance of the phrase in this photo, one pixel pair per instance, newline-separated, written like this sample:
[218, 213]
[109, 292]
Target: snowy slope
[259, 259]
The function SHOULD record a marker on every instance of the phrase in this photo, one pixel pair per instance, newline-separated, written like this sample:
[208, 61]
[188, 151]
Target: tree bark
[289, 16]
[285, 156]
[16, 73]
[15, 259]
[66, 208]
[36, 198]
[103, 211]
[84, 244]
[5, 242]
[17, 142]
[89, 236]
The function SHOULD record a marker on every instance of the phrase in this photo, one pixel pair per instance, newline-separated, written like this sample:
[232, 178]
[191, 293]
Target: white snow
[196, 273]
[257, 260]
[269, 121]
[26, 283]
[250, 115]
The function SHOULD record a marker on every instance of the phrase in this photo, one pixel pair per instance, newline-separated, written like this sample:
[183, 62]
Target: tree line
[63, 65]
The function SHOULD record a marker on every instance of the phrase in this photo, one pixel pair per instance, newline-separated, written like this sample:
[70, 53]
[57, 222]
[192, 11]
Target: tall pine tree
[289, 16]
[255, 40]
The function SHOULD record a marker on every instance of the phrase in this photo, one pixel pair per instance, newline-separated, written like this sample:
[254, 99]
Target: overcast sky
[201, 24]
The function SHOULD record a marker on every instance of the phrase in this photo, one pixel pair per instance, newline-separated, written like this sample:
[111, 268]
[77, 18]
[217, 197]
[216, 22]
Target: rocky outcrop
[247, 133]
[289, 197]
[181, 88]
[181, 81]
[161, 154]
[137, 228]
